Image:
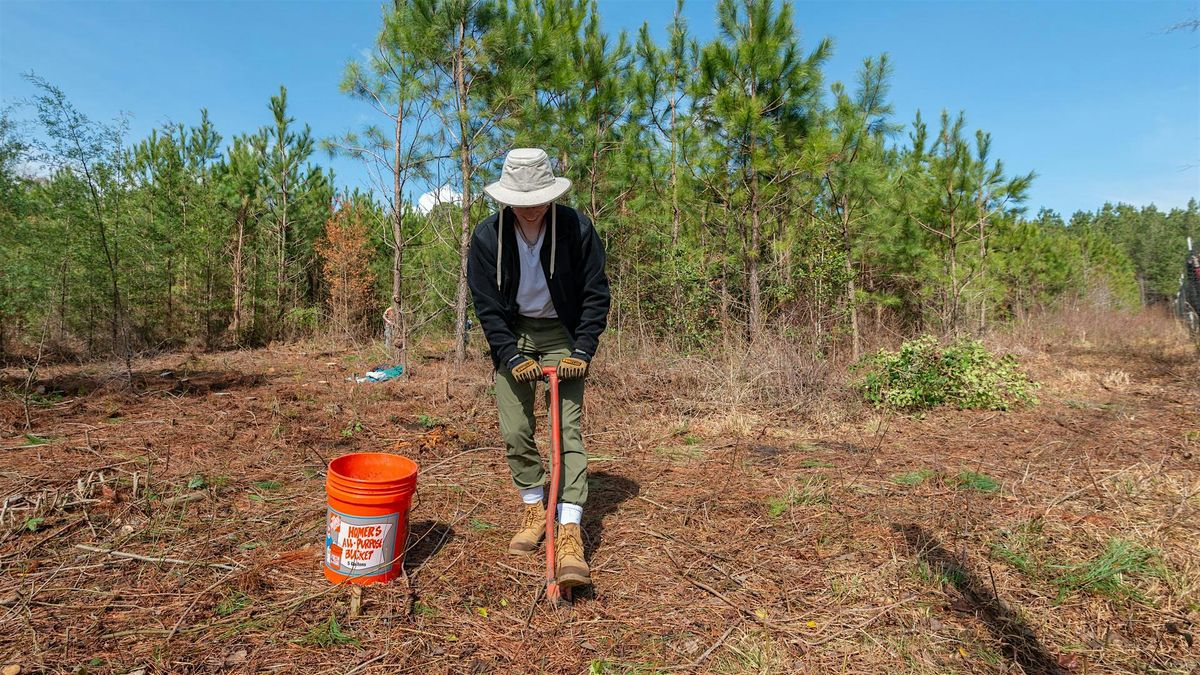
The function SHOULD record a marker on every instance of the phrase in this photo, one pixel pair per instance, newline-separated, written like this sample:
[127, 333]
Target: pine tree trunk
[594, 171]
[982, 277]
[110, 259]
[170, 322]
[952, 309]
[62, 302]
[254, 290]
[674, 179]
[726, 328]
[399, 346]
[464, 232]
[235, 326]
[755, 237]
[170, 295]
[676, 286]
[281, 263]
[208, 303]
[847, 251]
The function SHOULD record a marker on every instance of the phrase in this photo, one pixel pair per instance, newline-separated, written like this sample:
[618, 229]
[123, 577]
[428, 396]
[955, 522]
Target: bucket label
[360, 546]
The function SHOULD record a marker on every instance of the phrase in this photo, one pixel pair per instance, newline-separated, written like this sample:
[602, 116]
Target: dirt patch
[1059, 538]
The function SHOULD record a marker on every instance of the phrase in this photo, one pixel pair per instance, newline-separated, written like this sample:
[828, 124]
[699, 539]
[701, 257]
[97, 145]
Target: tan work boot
[533, 528]
[572, 569]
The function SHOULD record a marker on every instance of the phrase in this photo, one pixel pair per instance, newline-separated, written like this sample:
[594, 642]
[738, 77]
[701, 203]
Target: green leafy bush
[923, 374]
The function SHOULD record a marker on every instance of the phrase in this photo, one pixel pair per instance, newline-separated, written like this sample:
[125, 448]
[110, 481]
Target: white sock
[570, 514]
[532, 495]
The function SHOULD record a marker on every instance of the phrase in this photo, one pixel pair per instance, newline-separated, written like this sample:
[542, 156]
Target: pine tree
[15, 275]
[660, 87]
[464, 45]
[855, 174]
[89, 152]
[392, 81]
[241, 185]
[758, 98]
[956, 195]
[286, 153]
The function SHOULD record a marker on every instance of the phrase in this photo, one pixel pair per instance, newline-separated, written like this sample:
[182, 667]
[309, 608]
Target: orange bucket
[366, 528]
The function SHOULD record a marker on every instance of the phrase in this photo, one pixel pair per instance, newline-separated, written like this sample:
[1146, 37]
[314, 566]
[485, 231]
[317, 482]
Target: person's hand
[524, 369]
[574, 366]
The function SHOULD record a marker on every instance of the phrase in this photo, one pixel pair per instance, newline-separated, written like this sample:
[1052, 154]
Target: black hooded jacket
[578, 285]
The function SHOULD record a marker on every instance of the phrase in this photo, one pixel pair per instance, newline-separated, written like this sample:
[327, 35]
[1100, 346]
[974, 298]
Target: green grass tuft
[777, 506]
[1022, 548]
[1107, 573]
[232, 603]
[970, 480]
[812, 492]
[941, 576]
[679, 453]
[328, 634]
[913, 478]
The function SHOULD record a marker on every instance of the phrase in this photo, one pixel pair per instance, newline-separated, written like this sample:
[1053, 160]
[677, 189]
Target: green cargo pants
[547, 341]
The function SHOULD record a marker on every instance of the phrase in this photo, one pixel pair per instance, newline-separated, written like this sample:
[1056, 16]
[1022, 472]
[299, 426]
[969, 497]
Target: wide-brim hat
[527, 179]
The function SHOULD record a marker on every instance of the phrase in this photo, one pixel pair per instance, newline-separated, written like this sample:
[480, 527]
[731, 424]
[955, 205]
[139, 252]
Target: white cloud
[443, 195]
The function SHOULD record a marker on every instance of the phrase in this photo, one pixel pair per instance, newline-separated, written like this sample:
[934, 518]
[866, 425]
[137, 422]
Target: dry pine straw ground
[720, 540]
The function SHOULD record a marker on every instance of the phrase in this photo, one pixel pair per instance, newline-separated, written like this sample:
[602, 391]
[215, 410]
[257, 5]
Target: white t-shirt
[533, 294]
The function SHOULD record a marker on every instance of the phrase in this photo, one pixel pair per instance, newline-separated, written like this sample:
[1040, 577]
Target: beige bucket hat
[527, 179]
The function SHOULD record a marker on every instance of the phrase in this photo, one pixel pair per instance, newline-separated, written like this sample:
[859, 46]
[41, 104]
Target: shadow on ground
[606, 492]
[425, 539]
[1019, 642]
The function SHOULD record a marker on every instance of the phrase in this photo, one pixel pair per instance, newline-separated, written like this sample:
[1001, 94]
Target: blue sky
[1097, 97]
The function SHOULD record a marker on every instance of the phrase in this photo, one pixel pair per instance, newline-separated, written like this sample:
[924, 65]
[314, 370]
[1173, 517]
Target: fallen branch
[525, 572]
[717, 594]
[181, 499]
[861, 625]
[451, 458]
[144, 558]
[700, 659]
[366, 663]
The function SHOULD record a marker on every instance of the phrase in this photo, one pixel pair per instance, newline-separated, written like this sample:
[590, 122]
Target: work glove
[574, 366]
[524, 369]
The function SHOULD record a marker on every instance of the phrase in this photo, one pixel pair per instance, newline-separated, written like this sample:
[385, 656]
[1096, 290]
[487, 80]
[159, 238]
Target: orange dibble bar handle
[551, 373]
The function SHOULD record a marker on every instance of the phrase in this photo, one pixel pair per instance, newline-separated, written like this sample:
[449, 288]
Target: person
[536, 274]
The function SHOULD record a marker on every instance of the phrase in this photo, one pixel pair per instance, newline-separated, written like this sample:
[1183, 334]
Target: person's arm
[595, 298]
[489, 303]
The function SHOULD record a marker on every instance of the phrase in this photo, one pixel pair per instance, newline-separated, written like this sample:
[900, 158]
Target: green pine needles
[923, 374]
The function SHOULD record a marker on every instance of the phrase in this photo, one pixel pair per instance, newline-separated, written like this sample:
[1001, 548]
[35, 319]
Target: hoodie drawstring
[499, 244]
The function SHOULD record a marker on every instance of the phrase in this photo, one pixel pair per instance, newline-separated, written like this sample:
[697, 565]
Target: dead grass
[746, 516]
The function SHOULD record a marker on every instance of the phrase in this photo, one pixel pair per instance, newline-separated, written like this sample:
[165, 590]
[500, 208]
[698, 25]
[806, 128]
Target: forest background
[742, 199]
